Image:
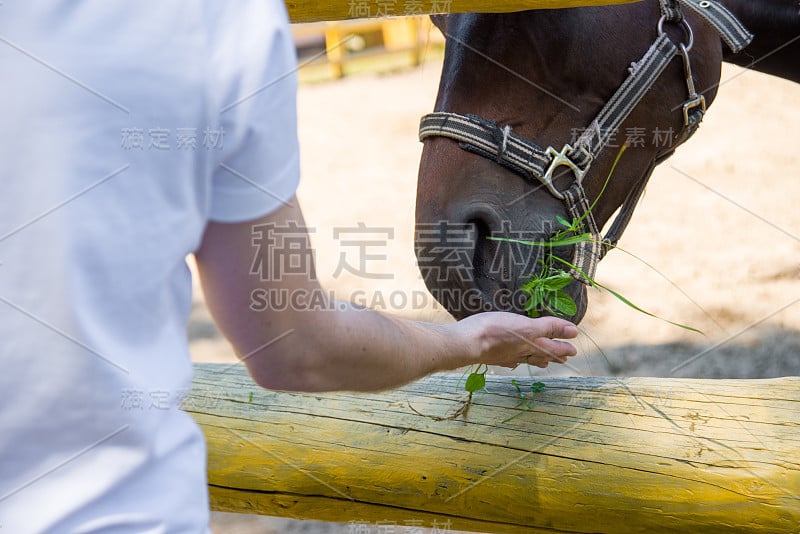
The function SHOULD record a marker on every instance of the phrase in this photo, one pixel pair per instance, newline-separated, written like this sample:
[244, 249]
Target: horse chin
[462, 303]
[581, 297]
[578, 292]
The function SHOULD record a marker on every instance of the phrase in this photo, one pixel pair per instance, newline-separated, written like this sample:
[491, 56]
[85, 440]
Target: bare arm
[339, 347]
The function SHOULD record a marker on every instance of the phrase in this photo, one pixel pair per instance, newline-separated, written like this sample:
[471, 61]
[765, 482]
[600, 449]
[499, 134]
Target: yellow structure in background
[367, 44]
[316, 11]
[404, 25]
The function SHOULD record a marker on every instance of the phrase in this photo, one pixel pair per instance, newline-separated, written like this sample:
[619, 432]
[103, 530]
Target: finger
[554, 349]
[554, 327]
[555, 358]
[542, 363]
[542, 343]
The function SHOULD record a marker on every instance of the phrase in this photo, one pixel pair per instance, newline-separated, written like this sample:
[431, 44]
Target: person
[135, 135]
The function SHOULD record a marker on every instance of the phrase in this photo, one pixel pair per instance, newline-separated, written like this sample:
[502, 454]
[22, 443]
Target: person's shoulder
[266, 17]
[249, 38]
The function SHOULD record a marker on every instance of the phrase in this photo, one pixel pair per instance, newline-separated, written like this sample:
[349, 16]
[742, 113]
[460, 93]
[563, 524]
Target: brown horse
[539, 79]
[776, 46]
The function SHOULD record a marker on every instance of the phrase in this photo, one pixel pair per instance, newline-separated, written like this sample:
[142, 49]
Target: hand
[345, 349]
[507, 339]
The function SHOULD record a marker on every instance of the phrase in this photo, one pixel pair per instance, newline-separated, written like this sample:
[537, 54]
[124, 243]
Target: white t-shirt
[124, 128]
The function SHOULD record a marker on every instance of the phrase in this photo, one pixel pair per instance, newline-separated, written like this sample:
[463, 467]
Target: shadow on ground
[763, 352]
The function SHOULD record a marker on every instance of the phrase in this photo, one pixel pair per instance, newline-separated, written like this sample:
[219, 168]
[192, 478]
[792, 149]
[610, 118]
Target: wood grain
[592, 455]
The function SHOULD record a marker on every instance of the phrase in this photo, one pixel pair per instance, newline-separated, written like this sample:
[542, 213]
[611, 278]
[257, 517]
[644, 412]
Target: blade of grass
[673, 284]
[576, 223]
[625, 300]
[577, 269]
[640, 310]
[573, 240]
[610, 174]
[597, 346]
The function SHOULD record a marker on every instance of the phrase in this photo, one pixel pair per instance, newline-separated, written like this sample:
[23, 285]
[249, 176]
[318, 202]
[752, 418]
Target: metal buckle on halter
[698, 101]
[559, 159]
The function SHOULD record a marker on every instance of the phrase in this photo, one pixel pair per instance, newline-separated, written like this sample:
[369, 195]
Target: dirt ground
[720, 220]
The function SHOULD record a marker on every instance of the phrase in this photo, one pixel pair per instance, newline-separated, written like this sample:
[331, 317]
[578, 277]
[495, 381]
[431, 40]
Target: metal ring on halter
[562, 159]
[686, 28]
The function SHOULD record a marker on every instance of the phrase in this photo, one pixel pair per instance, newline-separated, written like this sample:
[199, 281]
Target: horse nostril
[484, 256]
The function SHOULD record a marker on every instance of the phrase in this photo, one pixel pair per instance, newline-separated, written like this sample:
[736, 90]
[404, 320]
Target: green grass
[545, 288]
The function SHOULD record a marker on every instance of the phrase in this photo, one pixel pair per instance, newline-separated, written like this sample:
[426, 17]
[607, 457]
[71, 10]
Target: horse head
[543, 76]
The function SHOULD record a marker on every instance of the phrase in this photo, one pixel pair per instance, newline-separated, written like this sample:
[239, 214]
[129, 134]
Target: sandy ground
[720, 220]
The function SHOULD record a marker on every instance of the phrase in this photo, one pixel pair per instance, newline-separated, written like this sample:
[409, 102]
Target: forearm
[363, 350]
[309, 347]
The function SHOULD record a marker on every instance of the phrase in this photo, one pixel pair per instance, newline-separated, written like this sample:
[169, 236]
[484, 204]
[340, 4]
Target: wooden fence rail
[590, 455]
[316, 11]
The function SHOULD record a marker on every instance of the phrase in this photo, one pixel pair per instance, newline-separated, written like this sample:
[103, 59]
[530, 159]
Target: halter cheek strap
[539, 166]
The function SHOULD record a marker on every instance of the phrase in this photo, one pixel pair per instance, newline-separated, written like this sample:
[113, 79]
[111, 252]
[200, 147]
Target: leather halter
[538, 165]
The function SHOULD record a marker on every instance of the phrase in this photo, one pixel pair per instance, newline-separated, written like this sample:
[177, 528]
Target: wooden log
[308, 11]
[590, 455]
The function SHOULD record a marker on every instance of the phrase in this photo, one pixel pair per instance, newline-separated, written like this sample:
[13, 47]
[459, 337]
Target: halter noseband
[535, 164]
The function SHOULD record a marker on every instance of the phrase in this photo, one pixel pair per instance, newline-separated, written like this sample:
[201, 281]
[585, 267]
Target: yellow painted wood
[334, 50]
[593, 455]
[315, 11]
[401, 34]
